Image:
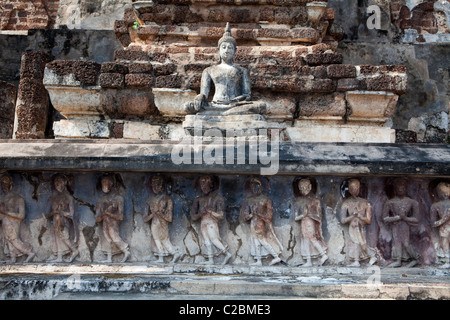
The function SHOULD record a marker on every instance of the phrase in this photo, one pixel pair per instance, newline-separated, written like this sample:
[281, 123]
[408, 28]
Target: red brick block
[387, 83]
[85, 71]
[131, 55]
[341, 71]
[144, 67]
[170, 81]
[323, 85]
[323, 58]
[139, 80]
[348, 84]
[164, 69]
[111, 80]
[113, 67]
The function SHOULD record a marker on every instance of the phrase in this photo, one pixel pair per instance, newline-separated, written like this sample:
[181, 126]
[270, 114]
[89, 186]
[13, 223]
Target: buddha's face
[305, 187]
[227, 51]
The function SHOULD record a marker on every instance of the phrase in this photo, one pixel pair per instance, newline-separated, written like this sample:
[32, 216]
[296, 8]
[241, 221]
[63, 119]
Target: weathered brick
[158, 57]
[32, 111]
[323, 85]
[293, 84]
[272, 33]
[164, 69]
[347, 84]
[321, 104]
[387, 83]
[393, 68]
[305, 35]
[120, 26]
[33, 64]
[170, 81]
[368, 69]
[240, 15]
[139, 80]
[320, 48]
[319, 72]
[113, 67]
[323, 58]
[341, 71]
[117, 130]
[176, 50]
[195, 67]
[131, 55]
[85, 71]
[139, 67]
[111, 80]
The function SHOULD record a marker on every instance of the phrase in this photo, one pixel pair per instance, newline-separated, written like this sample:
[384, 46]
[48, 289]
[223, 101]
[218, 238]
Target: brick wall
[28, 14]
[421, 18]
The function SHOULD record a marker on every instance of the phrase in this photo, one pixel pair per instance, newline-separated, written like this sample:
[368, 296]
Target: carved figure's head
[305, 186]
[7, 183]
[353, 187]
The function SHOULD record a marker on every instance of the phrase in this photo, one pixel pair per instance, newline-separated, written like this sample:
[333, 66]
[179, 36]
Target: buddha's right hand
[198, 102]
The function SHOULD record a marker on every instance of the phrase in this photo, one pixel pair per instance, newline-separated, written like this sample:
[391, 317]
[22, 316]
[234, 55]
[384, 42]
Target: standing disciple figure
[209, 208]
[160, 214]
[110, 213]
[356, 213]
[232, 93]
[401, 212]
[12, 213]
[62, 214]
[440, 219]
[308, 212]
[258, 210]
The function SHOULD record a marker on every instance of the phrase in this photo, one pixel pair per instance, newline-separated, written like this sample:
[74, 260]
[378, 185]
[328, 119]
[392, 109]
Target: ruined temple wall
[413, 33]
[417, 35]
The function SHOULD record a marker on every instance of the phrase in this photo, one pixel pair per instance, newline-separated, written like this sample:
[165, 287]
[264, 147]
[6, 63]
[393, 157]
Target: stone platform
[193, 281]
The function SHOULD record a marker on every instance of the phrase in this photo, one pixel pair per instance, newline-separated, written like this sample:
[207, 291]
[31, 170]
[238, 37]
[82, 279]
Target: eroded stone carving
[62, 210]
[356, 214]
[308, 212]
[401, 212]
[159, 210]
[110, 213]
[257, 209]
[209, 209]
[231, 82]
[440, 219]
[12, 213]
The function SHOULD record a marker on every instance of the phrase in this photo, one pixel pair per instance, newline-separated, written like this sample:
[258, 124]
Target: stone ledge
[336, 283]
[294, 158]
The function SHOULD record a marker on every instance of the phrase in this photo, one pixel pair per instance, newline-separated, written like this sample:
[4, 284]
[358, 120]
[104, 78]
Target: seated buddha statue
[232, 93]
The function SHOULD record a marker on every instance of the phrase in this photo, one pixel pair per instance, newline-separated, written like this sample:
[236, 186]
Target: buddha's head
[227, 45]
